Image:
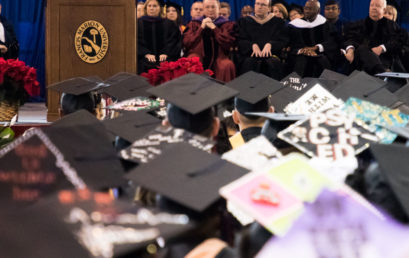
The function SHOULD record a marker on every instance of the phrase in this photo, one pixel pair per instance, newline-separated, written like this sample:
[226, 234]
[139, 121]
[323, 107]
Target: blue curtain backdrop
[28, 18]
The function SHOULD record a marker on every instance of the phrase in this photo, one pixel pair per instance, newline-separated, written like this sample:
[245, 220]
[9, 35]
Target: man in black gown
[261, 39]
[314, 42]
[373, 43]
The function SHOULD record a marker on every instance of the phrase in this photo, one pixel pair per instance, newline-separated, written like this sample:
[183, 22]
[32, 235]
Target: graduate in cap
[191, 99]
[254, 91]
[158, 39]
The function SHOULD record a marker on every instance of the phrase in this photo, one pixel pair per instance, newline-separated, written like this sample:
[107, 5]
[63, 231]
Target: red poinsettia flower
[170, 70]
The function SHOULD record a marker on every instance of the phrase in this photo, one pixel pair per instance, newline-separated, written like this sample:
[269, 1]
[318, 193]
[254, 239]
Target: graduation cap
[403, 94]
[328, 84]
[191, 98]
[84, 222]
[331, 75]
[186, 175]
[132, 125]
[392, 160]
[120, 86]
[254, 89]
[279, 116]
[363, 86]
[88, 148]
[293, 88]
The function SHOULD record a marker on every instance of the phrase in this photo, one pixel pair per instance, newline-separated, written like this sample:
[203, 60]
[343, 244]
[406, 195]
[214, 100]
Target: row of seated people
[265, 43]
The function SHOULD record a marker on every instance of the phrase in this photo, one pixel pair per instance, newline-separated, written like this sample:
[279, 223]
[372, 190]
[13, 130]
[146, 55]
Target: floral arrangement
[170, 70]
[17, 81]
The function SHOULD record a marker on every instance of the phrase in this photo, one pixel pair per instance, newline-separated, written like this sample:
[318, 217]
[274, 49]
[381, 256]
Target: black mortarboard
[132, 125]
[392, 160]
[191, 97]
[254, 89]
[294, 87]
[83, 223]
[187, 175]
[366, 87]
[328, 84]
[120, 86]
[403, 94]
[75, 86]
[80, 117]
[331, 75]
[88, 148]
[128, 87]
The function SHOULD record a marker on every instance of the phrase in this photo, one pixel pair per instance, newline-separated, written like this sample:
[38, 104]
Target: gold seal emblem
[91, 42]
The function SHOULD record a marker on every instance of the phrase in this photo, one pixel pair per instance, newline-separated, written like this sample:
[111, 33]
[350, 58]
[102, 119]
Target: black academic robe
[273, 31]
[11, 40]
[315, 33]
[250, 133]
[157, 36]
[365, 34]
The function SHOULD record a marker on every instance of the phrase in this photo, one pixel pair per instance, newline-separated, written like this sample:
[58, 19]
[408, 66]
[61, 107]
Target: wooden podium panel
[65, 18]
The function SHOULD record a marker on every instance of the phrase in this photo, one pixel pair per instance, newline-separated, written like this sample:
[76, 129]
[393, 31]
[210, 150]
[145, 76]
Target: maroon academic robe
[212, 46]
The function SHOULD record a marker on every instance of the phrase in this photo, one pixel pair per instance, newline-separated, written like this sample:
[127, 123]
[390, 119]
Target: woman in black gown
[158, 39]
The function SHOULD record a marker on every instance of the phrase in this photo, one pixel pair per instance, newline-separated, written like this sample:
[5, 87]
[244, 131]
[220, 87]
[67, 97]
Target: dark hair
[179, 20]
[331, 2]
[71, 103]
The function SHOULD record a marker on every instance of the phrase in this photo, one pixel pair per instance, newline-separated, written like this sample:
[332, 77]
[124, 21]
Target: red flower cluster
[24, 76]
[170, 70]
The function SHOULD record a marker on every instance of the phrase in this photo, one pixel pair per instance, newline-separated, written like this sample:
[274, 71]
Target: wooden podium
[86, 38]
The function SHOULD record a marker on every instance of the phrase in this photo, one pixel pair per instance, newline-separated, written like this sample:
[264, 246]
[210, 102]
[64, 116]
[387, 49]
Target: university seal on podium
[91, 42]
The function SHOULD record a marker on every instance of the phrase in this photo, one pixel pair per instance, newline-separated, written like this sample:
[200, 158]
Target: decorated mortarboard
[328, 84]
[274, 195]
[376, 117]
[332, 75]
[336, 225]
[254, 89]
[152, 145]
[88, 224]
[392, 160]
[191, 98]
[135, 104]
[279, 116]
[294, 87]
[187, 175]
[132, 126]
[32, 167]
[253, 154]
[332, 135]
[316, 99]
[366, 87]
